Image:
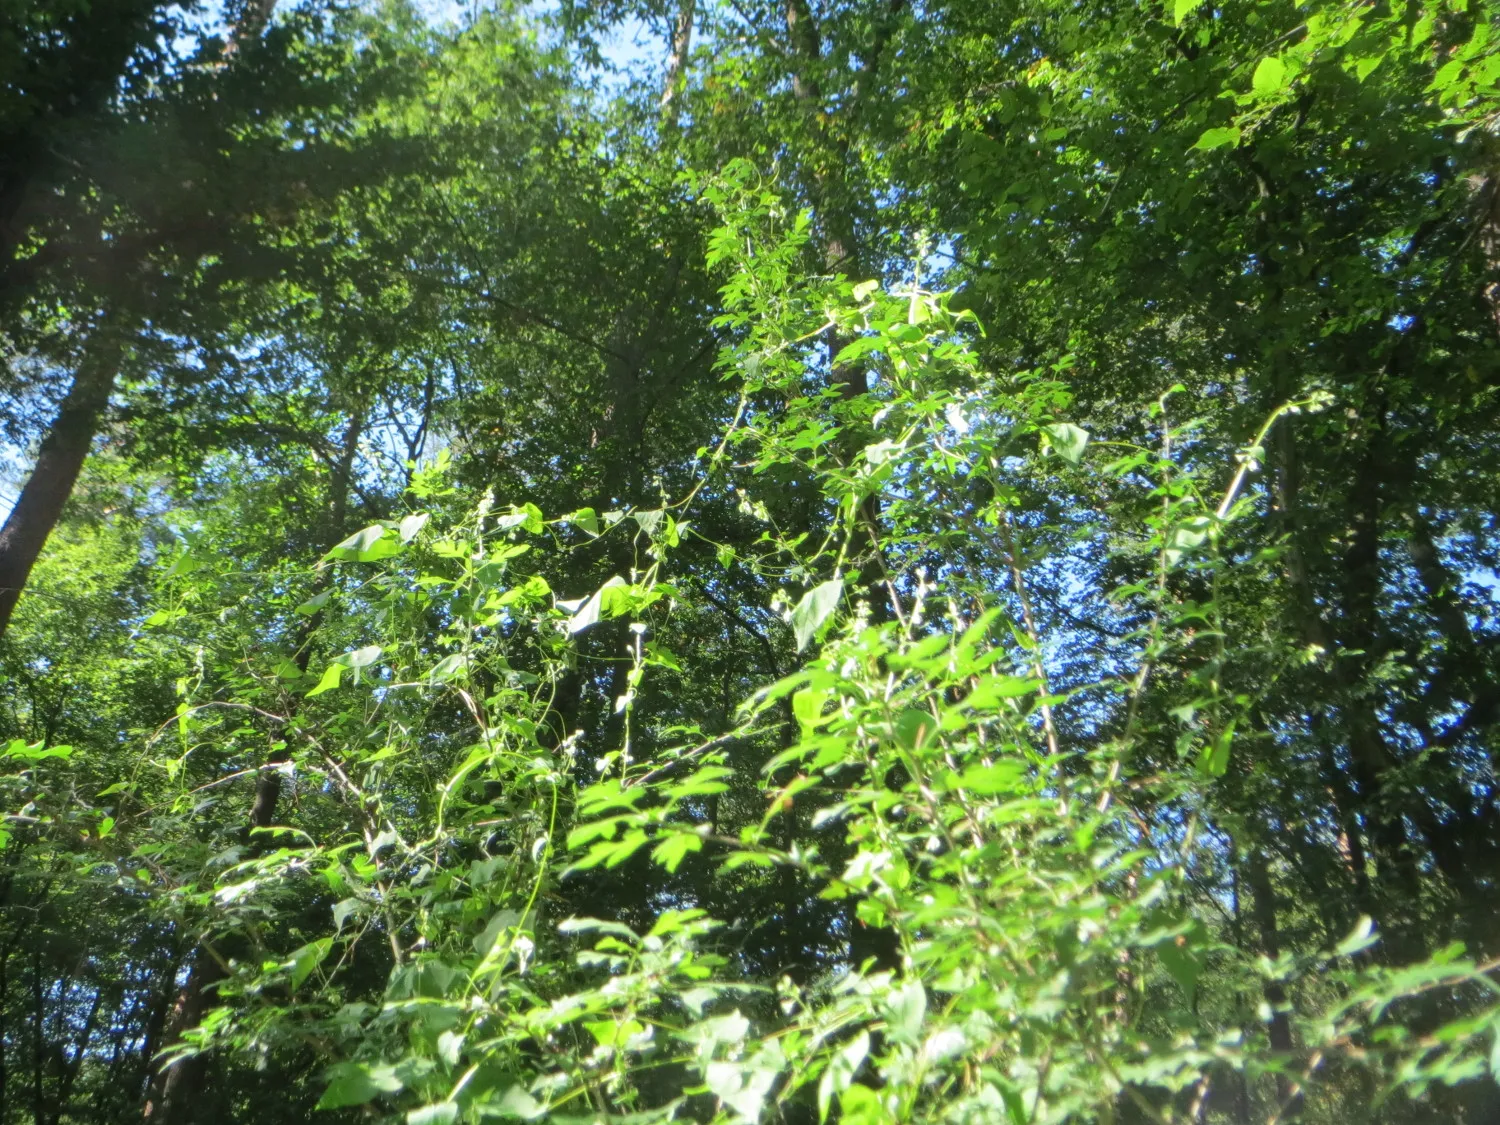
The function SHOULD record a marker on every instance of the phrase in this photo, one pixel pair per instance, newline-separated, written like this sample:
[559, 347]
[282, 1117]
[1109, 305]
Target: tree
[906, 564]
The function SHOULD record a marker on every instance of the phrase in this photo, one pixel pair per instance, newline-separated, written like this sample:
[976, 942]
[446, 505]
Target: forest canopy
[750, 562]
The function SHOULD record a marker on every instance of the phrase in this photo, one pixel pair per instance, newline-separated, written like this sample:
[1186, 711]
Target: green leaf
[1360, 938]
[659, 654]
[1214, 760]
[525, 516]
[1005, 776]
[362, 657]
[368, 545]
[613, 1033]
[1182, 964]
[447, 668]
[185, 563]
[586, 518]
[815, 608]
[991, 689]
[1218, 138]
[743, 1087]
[313, 604]
[1181, 9]
[1269, 77]
[331, 676]
[1447, 75]
[841, 1070]
[450, 1047]
[860, 1105]
[1069, 440]
[498, 924]
[671, 851]
[589, 612]
[906, 1008]
[34, 751]
[441, 1113]
[308, 958]
[357, 1083]
[342, 911]
[914, 728]
[411, 525]
[518, 1103]
[807, 708]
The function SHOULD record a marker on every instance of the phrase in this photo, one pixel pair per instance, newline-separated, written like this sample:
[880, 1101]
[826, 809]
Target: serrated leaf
[674, 849]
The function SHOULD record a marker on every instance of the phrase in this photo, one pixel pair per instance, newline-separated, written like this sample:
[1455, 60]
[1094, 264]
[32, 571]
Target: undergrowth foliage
[1012, 854]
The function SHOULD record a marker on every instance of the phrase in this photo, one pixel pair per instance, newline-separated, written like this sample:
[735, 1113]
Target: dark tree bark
[38, 1037]
[1263, 906]
[72, 1064]
[173, 1094]
[4, 1030]
[58, 463]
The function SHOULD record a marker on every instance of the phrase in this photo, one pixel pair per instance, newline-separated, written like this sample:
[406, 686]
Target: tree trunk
[72, 1065]
[4, 1031]
[58, 463]
[1263, 906]
[682, 43]
[38, 1037]
[173, 1094]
